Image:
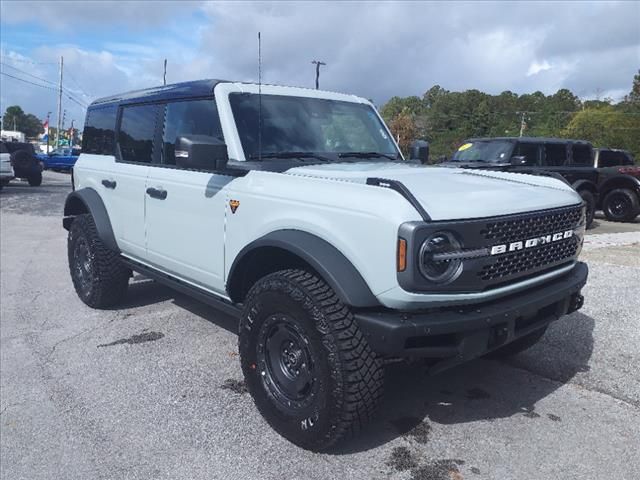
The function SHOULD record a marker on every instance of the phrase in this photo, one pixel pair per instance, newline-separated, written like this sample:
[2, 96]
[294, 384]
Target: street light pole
[317, 64]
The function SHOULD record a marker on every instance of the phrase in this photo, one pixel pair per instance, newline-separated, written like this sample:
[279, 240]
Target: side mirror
[419, 150]
[201, 152]
[518, 161]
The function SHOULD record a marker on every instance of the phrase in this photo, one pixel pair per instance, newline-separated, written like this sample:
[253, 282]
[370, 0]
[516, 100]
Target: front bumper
[461, 333]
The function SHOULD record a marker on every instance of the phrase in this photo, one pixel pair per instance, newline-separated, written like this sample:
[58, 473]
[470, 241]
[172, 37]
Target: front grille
[506, 231]
[523, 261]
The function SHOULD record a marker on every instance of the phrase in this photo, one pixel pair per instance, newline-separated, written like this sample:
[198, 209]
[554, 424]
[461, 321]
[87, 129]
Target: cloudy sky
[376, 50]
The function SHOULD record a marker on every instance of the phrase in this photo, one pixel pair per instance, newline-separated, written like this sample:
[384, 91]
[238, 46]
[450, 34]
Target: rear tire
[519, 345]
[35, 180]
[98, 275]
[305, 362]
[590, 202]
[621, 205]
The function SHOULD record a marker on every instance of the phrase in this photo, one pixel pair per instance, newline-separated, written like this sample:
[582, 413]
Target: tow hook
[576, 302]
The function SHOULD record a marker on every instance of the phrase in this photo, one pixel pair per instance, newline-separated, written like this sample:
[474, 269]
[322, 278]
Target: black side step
[183, 287]
[402, 189]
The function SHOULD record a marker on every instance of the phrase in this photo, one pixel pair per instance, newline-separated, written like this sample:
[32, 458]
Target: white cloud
[537, 67]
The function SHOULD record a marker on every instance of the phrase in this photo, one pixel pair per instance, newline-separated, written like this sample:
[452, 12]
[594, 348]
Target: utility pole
[59, 104]
[523, 123]
[48, 130]
[71, 134]
[317, 64]
[14, 123]
[164, 82]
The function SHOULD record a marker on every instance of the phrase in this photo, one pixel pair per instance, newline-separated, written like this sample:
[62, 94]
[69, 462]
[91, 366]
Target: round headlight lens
[439, 270]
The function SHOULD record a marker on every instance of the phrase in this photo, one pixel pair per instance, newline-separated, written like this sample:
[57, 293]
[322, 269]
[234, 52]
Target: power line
[27, 73]
[78, 84]
[69, 92]
[83, 105]
[27, 81]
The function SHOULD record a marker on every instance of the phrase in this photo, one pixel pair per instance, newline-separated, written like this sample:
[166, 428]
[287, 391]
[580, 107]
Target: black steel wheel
[621, 205]
[306, 364]
[99, 277]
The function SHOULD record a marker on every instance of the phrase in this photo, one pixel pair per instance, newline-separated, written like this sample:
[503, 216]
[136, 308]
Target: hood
[457, 193]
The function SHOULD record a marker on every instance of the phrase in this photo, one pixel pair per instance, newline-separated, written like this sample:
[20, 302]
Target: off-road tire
[35, 180]
[621, 205]
[347, 377]
[101, 281]
[590, 202]
[519, 345]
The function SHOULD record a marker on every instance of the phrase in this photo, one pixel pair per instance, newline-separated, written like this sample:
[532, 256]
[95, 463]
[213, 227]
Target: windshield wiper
[366, 155]
[300, 155]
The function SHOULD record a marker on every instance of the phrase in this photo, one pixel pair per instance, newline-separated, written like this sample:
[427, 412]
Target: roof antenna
[259, 98]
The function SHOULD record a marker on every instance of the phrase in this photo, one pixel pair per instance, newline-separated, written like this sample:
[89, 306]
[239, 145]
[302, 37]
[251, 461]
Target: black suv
[606, 179]
[25, 163]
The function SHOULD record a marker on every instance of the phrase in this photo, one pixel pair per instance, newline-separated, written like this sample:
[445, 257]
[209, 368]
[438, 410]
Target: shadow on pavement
[476, 391]
[479, 390]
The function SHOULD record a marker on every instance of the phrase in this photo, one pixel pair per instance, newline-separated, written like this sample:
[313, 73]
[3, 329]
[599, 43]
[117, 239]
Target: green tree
[607, 126]
[26, 123]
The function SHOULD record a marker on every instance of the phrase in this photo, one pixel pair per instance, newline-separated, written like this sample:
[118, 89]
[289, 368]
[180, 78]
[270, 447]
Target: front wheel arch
[285, 249]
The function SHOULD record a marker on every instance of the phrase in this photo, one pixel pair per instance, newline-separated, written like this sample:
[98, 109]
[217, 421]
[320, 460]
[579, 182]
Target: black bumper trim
[470, 331]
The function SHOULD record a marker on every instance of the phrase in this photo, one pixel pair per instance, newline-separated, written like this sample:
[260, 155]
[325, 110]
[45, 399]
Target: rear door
[581, 164]
[185, 218]
[126, 184]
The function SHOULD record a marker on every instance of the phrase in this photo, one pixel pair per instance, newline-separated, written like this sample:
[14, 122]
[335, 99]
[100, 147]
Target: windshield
[495, 151]
[313, 125]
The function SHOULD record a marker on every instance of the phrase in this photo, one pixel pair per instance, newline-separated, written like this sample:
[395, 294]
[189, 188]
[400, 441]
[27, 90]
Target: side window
[137, 132]
[528, 150]
[555, 154]
[3, 149]
[192, 117]
[581, 155]
[99, 130]
[609, 158]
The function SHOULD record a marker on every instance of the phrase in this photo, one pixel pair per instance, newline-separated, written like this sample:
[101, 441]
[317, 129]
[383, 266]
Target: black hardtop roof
[528, 139]
[196, 88]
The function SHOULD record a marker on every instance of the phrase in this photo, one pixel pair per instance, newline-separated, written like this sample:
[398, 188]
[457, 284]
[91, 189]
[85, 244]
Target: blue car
[63, 158]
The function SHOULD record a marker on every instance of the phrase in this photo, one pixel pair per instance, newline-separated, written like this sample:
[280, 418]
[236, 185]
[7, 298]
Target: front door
[185, 209]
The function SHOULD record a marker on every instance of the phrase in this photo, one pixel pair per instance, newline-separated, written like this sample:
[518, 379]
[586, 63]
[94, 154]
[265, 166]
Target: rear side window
[137, 132]
[609, 158]
[194, 117]
[555, 154]
[531, 152]
[99, 130]
[581, 155]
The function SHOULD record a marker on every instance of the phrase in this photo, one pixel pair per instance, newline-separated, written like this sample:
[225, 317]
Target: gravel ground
[153, 389]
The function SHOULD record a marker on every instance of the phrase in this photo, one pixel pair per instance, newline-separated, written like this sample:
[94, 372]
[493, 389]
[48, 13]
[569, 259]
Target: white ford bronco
[295, 210]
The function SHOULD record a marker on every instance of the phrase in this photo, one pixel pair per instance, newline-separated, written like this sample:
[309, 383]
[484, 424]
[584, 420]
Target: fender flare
[628, 181]
[327, 261]
[589, 185]
[87, 200]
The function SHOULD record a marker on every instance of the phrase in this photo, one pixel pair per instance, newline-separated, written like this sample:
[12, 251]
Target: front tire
[305, 362]
[99, 277]
[621, 205]
[590, 202]
[35, 180]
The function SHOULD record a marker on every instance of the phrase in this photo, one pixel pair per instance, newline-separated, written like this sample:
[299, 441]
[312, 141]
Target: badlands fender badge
[234, 204]
[532, 242]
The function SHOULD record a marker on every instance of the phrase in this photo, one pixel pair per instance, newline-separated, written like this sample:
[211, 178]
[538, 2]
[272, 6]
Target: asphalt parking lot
[153, 389]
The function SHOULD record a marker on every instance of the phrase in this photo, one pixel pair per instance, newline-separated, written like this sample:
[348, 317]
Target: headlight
[432, 264]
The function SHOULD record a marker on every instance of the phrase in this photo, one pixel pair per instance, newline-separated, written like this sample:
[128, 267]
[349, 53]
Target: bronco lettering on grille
[532, 242]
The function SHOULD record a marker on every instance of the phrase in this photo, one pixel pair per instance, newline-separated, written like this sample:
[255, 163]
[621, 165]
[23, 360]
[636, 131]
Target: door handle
[157, 193]
[109, 184]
